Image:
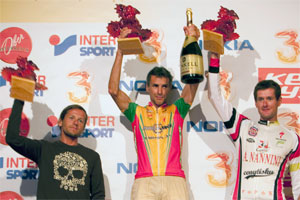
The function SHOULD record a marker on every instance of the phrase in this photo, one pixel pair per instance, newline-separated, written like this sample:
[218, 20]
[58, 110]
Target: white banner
[75, 60]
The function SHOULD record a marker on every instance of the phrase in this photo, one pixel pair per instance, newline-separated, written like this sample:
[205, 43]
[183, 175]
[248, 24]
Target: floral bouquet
[223, 28]
[22, 79]
[127, 15]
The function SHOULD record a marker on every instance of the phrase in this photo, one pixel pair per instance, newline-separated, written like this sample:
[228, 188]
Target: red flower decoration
[114, 29]
[224, 13]
[25, 69]
[225, 25]
[126, 12]
[128, 19]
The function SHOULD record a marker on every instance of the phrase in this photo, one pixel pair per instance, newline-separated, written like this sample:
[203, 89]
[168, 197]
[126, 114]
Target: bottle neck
[189, 17]
[188, 40]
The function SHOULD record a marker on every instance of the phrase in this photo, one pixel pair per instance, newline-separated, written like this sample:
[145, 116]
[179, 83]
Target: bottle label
[191, 64]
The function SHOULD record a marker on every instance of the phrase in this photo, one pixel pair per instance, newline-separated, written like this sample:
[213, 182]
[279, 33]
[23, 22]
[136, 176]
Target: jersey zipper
[158, 141]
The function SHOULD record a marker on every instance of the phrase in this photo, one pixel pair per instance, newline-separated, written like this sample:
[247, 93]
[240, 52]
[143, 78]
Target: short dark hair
[266, 84]
[160, 72]
[71, 107]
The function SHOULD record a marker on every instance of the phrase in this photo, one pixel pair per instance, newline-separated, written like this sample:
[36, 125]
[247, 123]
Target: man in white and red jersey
[265, 148]
[158, 130]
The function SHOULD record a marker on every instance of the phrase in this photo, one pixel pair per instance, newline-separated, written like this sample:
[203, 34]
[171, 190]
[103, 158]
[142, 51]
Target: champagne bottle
[191, 61]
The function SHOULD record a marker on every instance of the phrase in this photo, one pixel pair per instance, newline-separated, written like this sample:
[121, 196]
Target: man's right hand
[214, 55]
[121, 99]
[192, 30]
[124, 32]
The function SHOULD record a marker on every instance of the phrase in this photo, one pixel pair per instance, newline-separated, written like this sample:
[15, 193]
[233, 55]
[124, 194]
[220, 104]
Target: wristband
[214, 62]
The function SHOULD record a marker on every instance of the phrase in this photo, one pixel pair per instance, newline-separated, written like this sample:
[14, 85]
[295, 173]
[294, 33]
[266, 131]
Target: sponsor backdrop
[69, 42]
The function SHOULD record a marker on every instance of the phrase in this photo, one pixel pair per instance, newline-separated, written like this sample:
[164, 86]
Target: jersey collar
[162, 106]
[268, 123]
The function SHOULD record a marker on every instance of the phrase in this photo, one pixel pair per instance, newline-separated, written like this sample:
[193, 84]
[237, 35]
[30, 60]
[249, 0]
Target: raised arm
[27, 147]
[222, 106]
[13, 138]
[189, 90]
[122, 100]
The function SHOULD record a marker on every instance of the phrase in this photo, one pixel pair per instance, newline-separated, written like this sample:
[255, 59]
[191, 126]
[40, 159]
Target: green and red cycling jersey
[158, 137]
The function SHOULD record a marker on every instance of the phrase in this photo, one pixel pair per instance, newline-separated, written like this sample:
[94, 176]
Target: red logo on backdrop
[4, 115]
[14, 42]
[52, 121]
[9, 195]
[287, 78]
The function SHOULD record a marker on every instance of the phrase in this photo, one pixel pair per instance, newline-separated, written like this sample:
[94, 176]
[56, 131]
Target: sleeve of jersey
[295, 168]
[182, 107]
[225, 110]
[130, 112]
[24, 146]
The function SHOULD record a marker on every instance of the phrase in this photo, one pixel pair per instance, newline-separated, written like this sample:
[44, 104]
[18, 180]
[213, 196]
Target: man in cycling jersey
[157, 130]
[265, 148]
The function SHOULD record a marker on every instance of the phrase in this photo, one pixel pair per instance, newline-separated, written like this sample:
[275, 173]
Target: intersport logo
[89, 45]
[287, 78]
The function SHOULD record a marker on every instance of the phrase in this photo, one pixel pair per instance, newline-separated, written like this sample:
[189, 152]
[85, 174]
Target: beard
[70, 135]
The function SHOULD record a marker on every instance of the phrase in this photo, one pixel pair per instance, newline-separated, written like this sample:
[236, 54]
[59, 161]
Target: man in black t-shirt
[68, 170]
